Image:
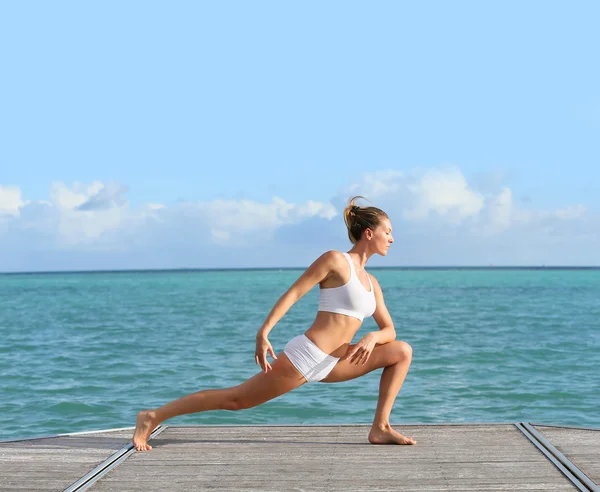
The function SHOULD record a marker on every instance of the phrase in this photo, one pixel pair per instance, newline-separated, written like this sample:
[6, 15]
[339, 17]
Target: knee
[235, 404]
[403, 351]
[236, 401]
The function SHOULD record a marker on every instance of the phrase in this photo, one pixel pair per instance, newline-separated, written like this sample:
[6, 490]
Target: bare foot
[144, 425]
[387, 435]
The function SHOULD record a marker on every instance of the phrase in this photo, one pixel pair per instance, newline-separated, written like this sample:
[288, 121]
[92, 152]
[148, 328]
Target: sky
[140, 135]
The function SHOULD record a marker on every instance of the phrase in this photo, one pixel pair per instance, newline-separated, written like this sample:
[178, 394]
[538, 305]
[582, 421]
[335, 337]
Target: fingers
[357, 354]
[360, 356]
[265, 363]
[350, 352]
[261, 357]
[365, 356]
[354, 355]
[272, 352]
[259, 362]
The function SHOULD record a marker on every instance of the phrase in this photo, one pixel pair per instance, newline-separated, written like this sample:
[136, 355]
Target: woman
[323, 353]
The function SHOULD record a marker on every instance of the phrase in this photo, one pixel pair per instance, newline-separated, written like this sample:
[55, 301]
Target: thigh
[265, 386]
[382, 356]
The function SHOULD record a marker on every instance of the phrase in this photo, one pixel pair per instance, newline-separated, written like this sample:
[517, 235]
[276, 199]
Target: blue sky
[199, 134]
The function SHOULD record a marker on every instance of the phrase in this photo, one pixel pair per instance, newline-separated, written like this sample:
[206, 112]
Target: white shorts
[310, 360]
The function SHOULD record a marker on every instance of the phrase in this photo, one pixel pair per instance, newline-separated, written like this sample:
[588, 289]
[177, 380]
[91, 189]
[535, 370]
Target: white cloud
[67, 198]
[376, 184]
[10, 201]
[500, 211]
[106, 196]
[238, 216]
[84, 213]
[438, 217]
[572, 212]
[220, 237]
[98, 216]
[443, 198]
[445, 193]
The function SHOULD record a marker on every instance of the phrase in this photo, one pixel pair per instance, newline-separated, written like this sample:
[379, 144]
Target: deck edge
[67, 434]
[411, 424]
[556, 426]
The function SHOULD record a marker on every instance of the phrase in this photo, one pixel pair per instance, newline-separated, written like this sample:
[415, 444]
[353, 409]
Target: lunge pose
[324, 353]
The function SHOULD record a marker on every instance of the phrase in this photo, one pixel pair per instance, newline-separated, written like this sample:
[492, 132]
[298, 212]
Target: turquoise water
[85, 351]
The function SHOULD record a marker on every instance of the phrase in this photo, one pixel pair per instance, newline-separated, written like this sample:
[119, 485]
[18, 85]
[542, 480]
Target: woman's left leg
[395, 357]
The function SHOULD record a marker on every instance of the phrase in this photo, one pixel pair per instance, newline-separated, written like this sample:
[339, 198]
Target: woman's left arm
[360, 353]
[387, 332]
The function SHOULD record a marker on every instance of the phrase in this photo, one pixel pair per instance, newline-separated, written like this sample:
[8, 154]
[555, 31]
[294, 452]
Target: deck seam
[568, 469]
[107, 465]
[581, 476]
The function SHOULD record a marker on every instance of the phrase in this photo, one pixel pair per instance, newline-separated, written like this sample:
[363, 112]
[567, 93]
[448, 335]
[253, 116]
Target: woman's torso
[332, 332]
[351, 293]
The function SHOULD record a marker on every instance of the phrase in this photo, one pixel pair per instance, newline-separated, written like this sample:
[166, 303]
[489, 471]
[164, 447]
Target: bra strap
[352, 271]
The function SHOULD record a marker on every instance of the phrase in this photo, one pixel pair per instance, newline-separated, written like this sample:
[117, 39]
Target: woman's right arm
[314, 274]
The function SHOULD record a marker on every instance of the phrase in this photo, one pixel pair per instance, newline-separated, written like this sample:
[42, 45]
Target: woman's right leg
[282, 378]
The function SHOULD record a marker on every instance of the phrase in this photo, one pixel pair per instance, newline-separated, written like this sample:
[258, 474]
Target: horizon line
[290, 268]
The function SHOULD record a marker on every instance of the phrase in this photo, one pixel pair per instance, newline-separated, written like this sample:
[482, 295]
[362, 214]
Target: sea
[85, 351]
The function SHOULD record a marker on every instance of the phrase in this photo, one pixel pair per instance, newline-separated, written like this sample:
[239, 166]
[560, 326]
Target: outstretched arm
[314, 274]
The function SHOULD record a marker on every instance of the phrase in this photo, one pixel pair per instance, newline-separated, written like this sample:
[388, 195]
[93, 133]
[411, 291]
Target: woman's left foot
[144, 425]
[387, 435]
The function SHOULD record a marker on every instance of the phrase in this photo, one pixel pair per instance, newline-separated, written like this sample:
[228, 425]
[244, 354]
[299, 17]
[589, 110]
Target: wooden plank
[53, 463]
[469, 458]
[345, 485]
[483, 457]
[32, 485]
[580, 446]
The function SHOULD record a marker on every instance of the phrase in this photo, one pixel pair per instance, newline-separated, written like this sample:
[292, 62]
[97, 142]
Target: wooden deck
[477, 457]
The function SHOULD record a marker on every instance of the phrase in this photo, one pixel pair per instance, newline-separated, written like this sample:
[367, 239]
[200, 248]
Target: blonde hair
[358, 219]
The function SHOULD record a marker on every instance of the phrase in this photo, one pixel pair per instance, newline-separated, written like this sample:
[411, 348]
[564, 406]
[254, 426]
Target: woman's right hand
[262, 347]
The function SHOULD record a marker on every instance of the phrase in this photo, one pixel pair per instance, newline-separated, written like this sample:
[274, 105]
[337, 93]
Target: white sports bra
[351, 299]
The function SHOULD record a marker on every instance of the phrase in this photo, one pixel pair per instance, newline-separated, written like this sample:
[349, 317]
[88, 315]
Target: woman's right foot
[144, 425]
[387, 435]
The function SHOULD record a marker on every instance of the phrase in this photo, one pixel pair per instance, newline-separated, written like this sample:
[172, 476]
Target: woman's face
[382, 237]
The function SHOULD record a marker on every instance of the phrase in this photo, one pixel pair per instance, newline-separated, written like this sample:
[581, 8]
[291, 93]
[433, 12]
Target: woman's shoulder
[333, 255]
[331, 258]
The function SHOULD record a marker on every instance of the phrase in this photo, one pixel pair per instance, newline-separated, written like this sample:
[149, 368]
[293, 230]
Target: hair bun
[358, 219]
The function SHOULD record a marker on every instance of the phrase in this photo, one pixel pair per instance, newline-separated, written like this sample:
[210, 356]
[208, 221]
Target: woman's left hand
[360, 352]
